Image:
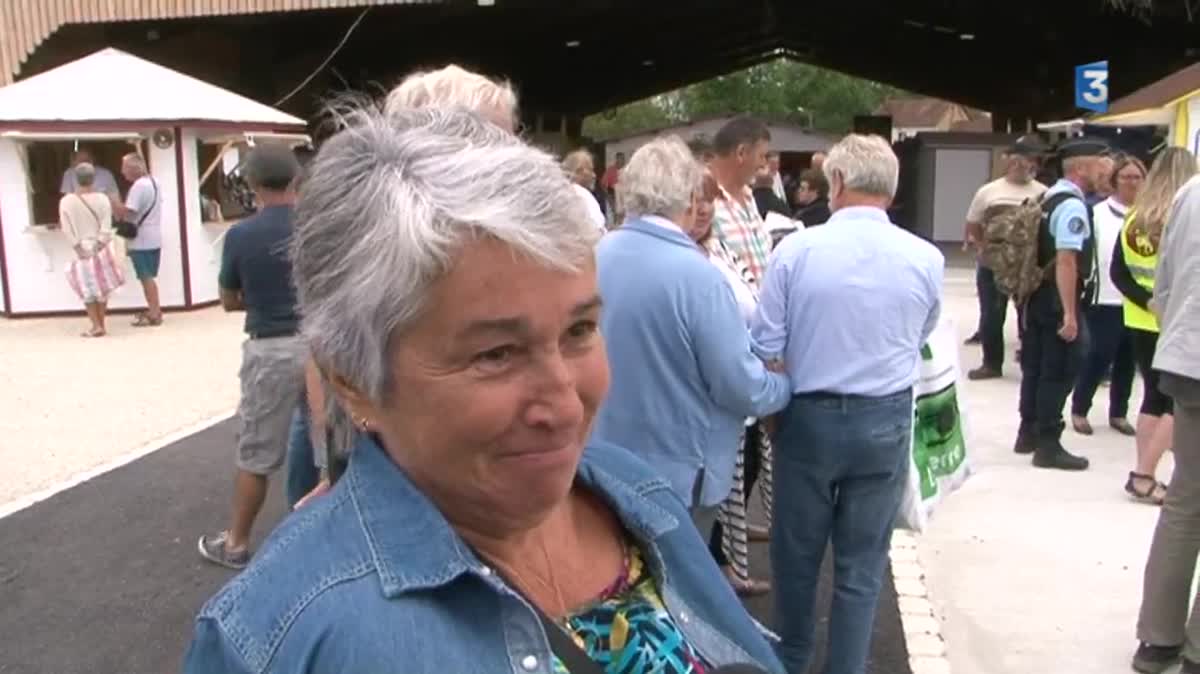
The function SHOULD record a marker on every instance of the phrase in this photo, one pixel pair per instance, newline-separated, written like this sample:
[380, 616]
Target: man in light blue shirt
[1054, 341]
[684, 377]
[847, 308]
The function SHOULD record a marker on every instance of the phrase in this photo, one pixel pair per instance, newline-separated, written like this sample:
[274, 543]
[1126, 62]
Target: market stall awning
[111, 86]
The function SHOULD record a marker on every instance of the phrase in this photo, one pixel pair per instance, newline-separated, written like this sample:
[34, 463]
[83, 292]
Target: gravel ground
[72, 404]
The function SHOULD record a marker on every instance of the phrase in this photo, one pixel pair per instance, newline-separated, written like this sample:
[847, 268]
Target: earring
[362, 424]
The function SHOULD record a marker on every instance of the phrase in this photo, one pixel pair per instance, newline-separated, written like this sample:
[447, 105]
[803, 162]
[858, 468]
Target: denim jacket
[371, 579]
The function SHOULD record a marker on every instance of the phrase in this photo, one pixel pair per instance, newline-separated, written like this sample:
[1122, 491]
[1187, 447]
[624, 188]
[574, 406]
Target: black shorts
[1154, 402]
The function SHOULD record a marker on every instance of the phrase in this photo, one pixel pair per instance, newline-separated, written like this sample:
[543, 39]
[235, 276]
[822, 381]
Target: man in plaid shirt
[741, 149]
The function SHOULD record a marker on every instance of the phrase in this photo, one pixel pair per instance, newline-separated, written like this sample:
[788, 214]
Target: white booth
[190, 133]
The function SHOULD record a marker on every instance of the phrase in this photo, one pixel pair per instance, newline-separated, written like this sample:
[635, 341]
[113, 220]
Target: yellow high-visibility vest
[1141, 257]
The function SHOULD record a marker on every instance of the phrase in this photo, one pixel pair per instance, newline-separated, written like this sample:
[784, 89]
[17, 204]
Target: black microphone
[739, 669]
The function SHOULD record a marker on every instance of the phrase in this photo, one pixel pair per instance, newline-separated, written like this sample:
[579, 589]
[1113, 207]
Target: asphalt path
[104, 578]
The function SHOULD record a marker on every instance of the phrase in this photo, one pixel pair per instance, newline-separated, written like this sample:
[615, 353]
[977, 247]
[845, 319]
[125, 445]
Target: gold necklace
[550, 584]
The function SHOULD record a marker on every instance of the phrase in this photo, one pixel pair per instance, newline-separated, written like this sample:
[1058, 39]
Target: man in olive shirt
[256, 277]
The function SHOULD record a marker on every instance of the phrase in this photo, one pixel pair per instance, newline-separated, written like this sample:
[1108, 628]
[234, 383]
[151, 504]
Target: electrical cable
[328, 59]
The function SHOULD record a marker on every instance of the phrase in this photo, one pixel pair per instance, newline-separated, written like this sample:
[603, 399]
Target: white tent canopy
[113, 86]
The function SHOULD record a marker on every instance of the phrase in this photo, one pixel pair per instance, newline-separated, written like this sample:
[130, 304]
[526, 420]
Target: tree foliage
[781, 90]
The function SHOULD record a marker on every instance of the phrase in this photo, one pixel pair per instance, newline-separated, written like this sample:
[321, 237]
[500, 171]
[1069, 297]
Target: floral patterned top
[629, 631]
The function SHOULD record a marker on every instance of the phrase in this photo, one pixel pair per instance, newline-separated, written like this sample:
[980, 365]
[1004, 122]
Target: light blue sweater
[684, 378]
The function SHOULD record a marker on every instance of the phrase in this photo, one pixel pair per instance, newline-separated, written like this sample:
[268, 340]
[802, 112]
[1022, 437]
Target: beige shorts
[272, 377]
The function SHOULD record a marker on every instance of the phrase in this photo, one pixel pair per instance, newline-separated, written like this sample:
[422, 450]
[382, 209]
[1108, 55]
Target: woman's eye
[497, 357]
[582, 329]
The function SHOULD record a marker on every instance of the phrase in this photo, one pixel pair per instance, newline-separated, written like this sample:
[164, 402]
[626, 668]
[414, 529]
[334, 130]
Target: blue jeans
[302, 473]
[1110, 345]
[842, 462]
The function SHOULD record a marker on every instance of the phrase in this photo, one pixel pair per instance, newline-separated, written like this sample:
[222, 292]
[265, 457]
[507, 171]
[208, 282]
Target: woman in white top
[581, 169]
[86, 219]
[1111, 344]
[729, 540]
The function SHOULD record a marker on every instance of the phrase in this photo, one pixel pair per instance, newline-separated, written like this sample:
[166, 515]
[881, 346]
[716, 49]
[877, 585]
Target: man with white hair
[684, 378]
[143, 207]
[846, 307]
[452, 85]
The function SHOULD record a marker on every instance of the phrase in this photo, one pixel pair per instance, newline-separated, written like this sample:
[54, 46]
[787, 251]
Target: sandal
[1154, 494]
[93, 333]
[144, 321]
[1081, 425]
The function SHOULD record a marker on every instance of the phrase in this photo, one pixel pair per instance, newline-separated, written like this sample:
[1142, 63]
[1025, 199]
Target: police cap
[1083, 146]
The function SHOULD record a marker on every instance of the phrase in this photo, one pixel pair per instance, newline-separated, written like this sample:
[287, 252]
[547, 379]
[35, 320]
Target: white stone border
[23, 502]
[922, 629]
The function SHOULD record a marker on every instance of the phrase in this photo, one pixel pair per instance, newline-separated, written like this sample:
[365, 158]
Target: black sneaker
[213, 549]
[1026, 443]
[1052, 455]
[984, 372]
[1156, 659]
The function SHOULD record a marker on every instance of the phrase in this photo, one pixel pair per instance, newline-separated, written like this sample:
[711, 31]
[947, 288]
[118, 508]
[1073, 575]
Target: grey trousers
[1171, 567]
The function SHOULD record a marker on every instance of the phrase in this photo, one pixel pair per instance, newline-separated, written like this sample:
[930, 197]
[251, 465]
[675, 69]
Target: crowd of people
[518, 439]
[1117, 270]
[524, 442]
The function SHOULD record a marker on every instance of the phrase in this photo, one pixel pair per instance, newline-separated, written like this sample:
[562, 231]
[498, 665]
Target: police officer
[1053, 343]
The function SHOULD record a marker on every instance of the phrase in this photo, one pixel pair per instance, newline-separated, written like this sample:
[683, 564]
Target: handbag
[129, 230]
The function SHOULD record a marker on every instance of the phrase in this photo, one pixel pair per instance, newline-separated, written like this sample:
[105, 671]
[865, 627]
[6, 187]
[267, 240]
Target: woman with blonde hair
[1134, 260]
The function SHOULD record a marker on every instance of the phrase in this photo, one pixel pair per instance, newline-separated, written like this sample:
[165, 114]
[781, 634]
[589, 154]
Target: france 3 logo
[1091, 86]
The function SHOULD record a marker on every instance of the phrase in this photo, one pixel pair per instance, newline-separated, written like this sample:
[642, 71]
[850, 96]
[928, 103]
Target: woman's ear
[360, 408]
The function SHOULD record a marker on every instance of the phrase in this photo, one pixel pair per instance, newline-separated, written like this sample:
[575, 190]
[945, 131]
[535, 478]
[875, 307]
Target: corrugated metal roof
[25, 24]
[162, 95]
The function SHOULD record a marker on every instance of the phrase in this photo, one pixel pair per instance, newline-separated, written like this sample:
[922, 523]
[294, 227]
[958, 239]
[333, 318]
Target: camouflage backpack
[1010, 245]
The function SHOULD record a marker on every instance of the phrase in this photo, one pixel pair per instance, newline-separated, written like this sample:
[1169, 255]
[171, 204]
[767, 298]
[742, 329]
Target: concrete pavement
[1034, 570]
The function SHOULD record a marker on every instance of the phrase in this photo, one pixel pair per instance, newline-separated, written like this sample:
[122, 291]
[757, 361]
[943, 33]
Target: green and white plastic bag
[939, 462]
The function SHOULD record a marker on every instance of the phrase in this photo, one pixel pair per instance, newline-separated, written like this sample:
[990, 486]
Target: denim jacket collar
[413, 545]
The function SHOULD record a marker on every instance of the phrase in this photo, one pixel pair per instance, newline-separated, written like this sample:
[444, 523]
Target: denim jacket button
[485, 570]
[683, 616]
[529, 662]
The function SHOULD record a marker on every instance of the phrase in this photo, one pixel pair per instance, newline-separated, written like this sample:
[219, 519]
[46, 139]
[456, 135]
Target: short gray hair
[453, 86]
[85, 174]
[661, 178]
[575, 159]
[136, 161]
[866, 164]
[385, 207]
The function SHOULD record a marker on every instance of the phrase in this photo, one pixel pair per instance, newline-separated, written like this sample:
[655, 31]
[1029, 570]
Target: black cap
[1029, 145]
[1083, 146]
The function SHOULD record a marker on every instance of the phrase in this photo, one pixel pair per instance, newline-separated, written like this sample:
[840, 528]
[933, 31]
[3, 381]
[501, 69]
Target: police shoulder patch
[1076, 225]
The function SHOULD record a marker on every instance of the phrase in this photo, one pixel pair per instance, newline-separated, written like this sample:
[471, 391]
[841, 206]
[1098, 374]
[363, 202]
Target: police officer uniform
[1049, 363]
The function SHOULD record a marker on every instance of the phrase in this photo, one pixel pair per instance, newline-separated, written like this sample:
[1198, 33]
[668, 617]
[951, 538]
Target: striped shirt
[742, 230]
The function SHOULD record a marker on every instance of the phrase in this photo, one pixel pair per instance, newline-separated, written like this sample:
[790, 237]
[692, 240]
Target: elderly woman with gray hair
[446, 277]
[685, 378]
[320, 432]
[85, 216]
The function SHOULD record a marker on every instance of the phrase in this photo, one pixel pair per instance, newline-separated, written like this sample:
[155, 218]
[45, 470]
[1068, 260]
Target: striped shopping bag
[96, 277]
